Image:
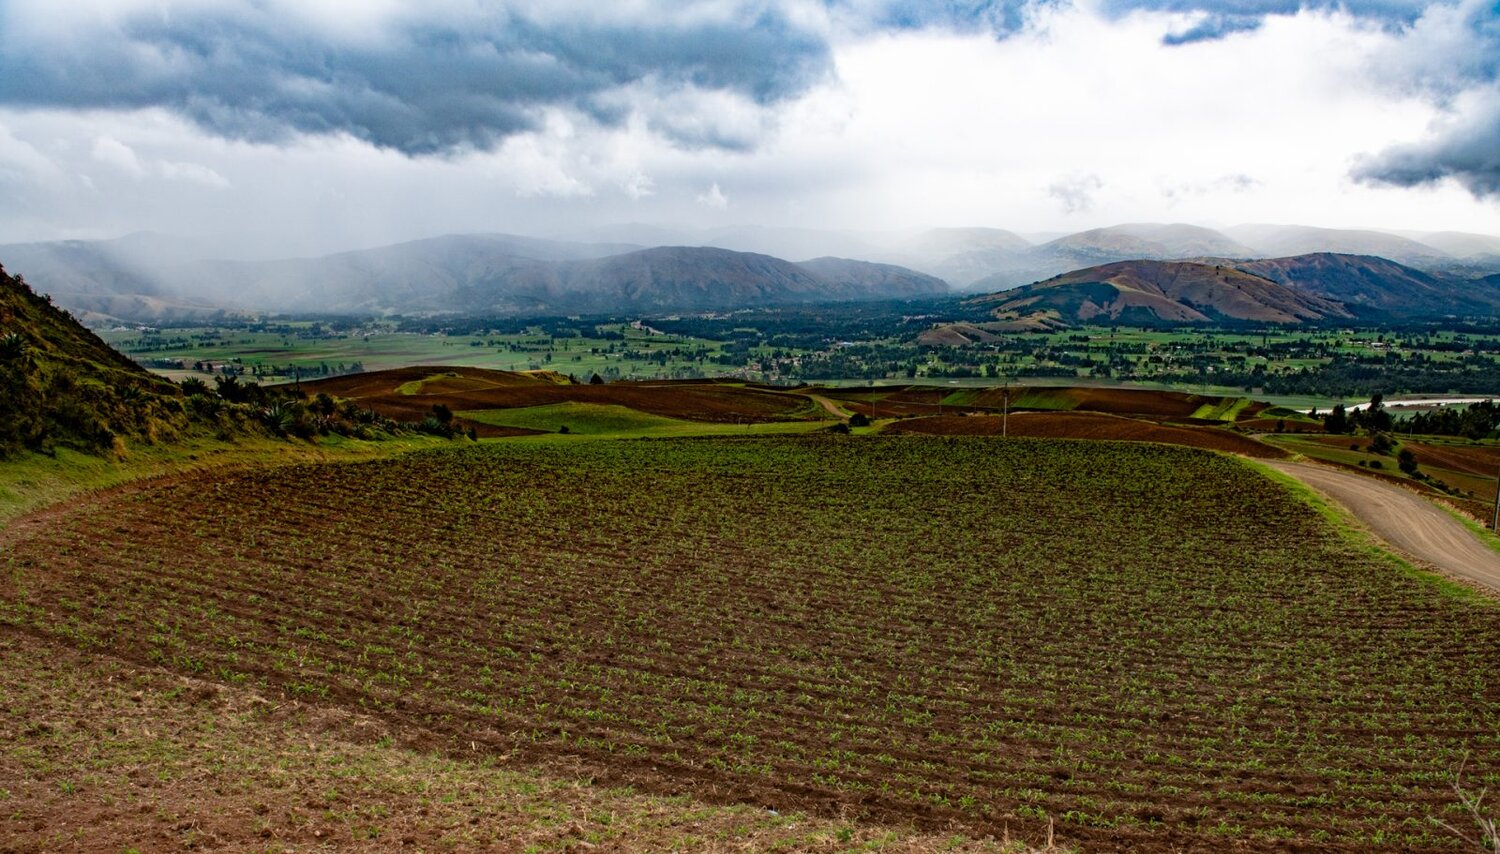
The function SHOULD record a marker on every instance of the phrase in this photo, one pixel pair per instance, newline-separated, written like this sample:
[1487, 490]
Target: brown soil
[1088, 425]
[1478, 460]
[893, 401]
[476, 388]
[97, 754]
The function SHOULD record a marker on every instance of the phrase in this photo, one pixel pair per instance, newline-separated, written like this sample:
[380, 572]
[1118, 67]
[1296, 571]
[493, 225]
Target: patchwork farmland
[1146, 647]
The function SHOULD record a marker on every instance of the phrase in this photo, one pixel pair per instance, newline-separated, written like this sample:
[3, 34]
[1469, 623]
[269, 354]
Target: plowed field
[1086, 425]
[1154, 646]
[410, 393]
[928, 400]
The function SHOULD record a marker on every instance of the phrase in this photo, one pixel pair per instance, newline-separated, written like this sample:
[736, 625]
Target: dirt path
[832, 408]
[1414, 526]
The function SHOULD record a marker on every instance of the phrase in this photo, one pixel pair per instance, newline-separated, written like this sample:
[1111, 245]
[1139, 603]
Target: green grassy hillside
[63, 386]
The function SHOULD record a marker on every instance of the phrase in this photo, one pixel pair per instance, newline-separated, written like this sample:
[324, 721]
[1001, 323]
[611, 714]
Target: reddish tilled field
[894, 401]
[1155, 647]
[476, 388]
[1087, 425]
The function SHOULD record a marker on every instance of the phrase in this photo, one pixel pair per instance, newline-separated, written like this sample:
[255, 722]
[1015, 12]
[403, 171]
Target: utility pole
[1495, 522]
[1005, 412]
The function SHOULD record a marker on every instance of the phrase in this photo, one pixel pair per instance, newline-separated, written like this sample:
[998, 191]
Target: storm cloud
[428, 79]
[1468, 151]
[1451, 55]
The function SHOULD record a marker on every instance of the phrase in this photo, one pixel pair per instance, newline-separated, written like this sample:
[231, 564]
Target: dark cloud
[1222, 17]
[424, 86]
[1452, 56]
[1392, 11]
[999, 17]
[1468, 152]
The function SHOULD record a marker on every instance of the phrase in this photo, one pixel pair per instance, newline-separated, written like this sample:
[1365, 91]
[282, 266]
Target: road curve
[1411, 524]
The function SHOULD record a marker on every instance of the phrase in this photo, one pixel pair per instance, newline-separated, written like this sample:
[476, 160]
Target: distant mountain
[1278, 241]
[1157, 292]
[959, 255]
[457, 273]
[63, 386]
[777, 241]
[1130, 242]
[155, 277]
[955, 241]
[887, 280]
[688, 278]
[1179, 240]
[421, 275]
[1378, 287]
[1461, 244]
[1304, 288]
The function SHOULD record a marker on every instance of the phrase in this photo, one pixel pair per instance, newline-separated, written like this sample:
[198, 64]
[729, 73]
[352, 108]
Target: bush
[1407, 462]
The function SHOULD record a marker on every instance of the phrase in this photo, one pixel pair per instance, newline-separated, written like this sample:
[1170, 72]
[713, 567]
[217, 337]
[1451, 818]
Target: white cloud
[638, 185]
[1075, 193]
[714, 198]
[113, 152]
[20, 160]
[194, 173]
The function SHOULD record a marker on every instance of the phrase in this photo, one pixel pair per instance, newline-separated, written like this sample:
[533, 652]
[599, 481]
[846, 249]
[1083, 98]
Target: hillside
[1370, 286]
[1153, 292]
[887, 280]
[62, 386]
[1129, 242]
[688, 278]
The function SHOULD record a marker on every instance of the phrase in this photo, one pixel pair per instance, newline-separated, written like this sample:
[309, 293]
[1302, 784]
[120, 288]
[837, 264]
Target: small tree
[1375, 418]
[1407, 462]
[859, 419]
[1336, 421]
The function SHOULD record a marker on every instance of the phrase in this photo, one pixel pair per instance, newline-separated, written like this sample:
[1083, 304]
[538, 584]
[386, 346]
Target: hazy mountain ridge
[1314, 287]
[455, 273]
[152, 277]
[1162, 292]
[1374, 286]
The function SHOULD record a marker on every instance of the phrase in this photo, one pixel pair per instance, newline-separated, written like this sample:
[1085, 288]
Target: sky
[302, 126]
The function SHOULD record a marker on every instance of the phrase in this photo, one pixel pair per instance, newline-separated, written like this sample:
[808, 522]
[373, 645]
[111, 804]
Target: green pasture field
[381, 348]
[1152, 648]
[593, 419]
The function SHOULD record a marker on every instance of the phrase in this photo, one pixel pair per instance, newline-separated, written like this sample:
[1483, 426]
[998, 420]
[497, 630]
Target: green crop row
[1147, 645]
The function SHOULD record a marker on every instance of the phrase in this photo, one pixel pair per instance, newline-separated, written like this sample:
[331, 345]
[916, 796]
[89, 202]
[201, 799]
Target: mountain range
[1313, 287]
[992, 259]
[148, 277]
[495, 274]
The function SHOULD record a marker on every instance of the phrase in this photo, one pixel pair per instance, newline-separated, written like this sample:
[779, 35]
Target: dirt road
[831, 407]
[1414, 526]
